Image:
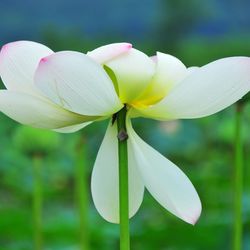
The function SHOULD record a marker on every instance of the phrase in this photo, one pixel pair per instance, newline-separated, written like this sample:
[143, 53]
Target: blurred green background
[195, 31]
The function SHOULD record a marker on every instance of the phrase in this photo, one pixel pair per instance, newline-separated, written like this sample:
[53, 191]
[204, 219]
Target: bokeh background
[195, 31]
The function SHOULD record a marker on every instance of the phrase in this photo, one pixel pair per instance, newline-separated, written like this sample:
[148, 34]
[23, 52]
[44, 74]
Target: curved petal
[134, 71]
[207, 90]
[169, 72]
[77, 83]
[105, 180]
[73, 128]
[18, 62]
[108, 52]
[37, 112]
[165, 181]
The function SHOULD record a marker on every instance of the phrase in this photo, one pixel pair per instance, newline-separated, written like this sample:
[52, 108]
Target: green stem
[37, 202]
[81, 193]
[238, 182]
[123, 180]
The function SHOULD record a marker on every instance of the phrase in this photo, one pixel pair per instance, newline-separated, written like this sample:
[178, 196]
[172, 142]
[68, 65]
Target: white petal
[73, 128]
[207, 90]
[165, 181]
[74, 81]
[18, 62]
[36, 112]
[134, 71]
[192, 69]
[108, 52]
[169, 72]
[105, 180]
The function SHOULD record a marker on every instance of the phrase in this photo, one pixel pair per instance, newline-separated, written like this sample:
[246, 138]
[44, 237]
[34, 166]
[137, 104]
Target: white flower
[66, 91]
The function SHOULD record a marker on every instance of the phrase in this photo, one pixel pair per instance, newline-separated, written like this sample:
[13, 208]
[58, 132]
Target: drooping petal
[18, 62]
[134, 71]
[72, 128]
[108, 52]
[207, 90]
[77, 83]
[105, 179]
[169, 72]
[165, 181]
[37, 112]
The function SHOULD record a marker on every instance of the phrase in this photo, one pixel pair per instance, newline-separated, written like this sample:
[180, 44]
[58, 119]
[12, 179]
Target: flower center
[150, 96]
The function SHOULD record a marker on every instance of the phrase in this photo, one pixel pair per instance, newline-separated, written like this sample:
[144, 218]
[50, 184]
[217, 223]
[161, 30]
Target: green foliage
[35, 141]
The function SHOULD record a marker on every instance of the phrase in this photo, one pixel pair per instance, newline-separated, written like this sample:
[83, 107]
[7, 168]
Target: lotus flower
[65, 91]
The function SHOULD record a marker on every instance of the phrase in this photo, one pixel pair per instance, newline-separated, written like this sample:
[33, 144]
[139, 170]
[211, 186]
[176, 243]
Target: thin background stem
[238, 181]
[123, 180]
[37, 202]
[81, 193]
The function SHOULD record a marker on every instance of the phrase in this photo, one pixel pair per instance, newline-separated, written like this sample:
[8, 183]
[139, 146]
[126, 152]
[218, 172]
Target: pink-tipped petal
[75, 82]
[18, 62]
[108, 52]
[3, 49]
[44, 60]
